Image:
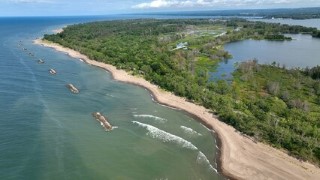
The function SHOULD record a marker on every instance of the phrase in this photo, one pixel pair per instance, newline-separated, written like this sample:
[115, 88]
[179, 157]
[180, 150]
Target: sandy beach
[240, 157]
[56, 31]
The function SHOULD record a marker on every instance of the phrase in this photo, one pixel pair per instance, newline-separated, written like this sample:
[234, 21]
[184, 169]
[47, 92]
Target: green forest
[272, 104]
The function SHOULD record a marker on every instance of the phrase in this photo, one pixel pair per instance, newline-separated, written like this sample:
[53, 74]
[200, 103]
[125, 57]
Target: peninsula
[241, 156]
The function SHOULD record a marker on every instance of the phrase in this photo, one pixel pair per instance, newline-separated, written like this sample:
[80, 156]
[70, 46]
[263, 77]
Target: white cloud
[155, 4]
[211, 3]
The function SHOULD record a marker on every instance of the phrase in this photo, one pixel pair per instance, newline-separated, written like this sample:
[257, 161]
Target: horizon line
[160, 12]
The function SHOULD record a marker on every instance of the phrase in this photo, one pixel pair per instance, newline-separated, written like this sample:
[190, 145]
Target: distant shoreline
[240, 157]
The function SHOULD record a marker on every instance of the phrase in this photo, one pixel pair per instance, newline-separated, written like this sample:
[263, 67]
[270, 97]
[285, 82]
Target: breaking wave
[189, 131]
[159, 119]
[202, 159]
[165, 136]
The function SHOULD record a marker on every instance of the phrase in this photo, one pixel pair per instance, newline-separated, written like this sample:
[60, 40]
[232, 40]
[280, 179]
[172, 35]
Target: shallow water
[48, 133]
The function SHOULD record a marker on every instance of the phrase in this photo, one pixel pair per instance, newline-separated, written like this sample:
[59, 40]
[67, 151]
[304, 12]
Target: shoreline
[56, 31]
[239, 157]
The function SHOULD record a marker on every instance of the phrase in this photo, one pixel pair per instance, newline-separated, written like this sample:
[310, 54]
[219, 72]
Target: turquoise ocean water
[48, 133]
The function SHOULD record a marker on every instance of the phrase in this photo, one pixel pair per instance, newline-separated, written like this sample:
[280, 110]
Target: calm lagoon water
[48, 133]
[304, 22]
[302, 51]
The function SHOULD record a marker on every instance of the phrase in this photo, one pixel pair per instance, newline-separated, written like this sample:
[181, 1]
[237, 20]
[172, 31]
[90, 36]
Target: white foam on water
[168, 107]
[208, 128]
[110, 95]
[217, 147]
[165, 136]
[202, 159]
[190, 131]
[158, 119]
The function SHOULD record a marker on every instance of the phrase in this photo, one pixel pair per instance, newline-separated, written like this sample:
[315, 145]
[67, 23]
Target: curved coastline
[240, 157]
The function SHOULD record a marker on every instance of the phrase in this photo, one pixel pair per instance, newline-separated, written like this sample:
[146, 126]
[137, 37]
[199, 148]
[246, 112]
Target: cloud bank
[158, 4]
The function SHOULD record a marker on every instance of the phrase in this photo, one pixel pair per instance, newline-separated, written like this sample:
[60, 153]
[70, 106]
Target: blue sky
[103, 7]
